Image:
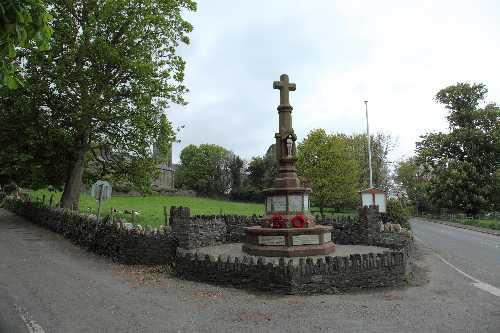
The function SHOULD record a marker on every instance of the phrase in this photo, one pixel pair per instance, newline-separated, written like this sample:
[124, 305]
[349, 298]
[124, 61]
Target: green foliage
[462, 166]
[462, 100]
[326, 164]
[488, 224]
[31, 146]
[396, 212]
[381, 145]
[110, 74]
[23, 24]
[411, 181]
[236, 169]
[259, 174]
[205, 169]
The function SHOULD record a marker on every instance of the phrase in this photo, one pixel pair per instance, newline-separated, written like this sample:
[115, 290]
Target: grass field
[150, 208]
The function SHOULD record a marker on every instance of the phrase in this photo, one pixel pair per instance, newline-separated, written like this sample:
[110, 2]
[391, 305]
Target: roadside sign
[101, 191]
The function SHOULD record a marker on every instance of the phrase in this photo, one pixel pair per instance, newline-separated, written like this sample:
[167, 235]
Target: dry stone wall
[325, 275]
[135, 245]
[198, 231]
[330, 274]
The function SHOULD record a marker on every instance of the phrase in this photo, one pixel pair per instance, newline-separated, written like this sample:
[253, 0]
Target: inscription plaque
[316, 278]
[271, 240]
[327, 237]
[306, 240]
[279, 204]
[269, 204]
[306, 203]
[295, 203]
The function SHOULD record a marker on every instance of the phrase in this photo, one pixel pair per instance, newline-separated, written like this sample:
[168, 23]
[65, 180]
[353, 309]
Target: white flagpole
[369, 146]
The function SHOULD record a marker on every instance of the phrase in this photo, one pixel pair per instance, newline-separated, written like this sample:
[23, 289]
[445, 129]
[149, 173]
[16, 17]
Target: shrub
[10, 188]
[396, 212]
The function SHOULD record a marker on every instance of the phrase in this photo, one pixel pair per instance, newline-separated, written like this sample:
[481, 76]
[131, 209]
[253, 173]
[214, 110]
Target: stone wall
[199, 231]
[365, 229]
[135, 245]
[325, 275]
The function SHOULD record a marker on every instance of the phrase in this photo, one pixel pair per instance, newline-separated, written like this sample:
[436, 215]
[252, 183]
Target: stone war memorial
[288, 229]
[289, 250]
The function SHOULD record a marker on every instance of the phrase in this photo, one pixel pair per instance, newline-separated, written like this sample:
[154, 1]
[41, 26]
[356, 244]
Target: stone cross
[285, 87]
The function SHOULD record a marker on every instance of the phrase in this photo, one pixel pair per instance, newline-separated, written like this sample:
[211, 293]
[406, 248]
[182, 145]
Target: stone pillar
[180, 222]
[369, 224]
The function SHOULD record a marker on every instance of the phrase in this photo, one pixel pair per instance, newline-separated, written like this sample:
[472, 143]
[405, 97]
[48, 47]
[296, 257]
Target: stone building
[165, 182]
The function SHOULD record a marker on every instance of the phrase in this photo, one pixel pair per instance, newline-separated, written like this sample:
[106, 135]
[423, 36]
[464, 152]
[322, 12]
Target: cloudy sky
[395, 54]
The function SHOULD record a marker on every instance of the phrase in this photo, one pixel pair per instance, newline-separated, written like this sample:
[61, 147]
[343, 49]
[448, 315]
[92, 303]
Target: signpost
[100, 191]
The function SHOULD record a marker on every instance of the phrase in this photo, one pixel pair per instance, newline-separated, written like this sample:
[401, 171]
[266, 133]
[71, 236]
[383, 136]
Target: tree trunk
[71, 195]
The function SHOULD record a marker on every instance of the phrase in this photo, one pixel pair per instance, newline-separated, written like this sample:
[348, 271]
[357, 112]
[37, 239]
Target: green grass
[483, 223]
[151, 207]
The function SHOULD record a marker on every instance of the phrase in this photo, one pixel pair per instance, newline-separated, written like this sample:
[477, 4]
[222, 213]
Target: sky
[395, 54]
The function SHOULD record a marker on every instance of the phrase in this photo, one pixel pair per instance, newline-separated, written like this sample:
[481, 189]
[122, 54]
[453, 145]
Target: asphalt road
[477, 254]
[49, 285]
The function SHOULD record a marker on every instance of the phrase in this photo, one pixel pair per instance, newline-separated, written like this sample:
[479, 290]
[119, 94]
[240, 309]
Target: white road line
[488, 287]
[33, 326]
[477, 283]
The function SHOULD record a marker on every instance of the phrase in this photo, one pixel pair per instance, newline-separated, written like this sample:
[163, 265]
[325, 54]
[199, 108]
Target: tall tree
[463, 165]
[30, 154]
[205, 169]
[327, 164]
[110, 73]
[381, 146]
[23, 24]
[236, 168]
[409, 177]
[258, 175]
[262, 170]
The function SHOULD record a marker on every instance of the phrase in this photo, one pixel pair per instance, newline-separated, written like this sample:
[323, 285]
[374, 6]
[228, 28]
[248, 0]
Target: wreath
[298, 221]
[278, 221]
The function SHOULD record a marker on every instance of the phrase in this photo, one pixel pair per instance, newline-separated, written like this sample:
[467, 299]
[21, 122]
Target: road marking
[477, 283]
[33, 326]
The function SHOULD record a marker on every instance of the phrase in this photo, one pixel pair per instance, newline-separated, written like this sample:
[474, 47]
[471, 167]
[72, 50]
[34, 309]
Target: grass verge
[482, 223]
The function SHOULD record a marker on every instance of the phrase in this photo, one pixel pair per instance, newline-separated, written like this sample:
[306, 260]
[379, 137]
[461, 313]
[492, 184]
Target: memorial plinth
[288, 229]
[289, 242]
